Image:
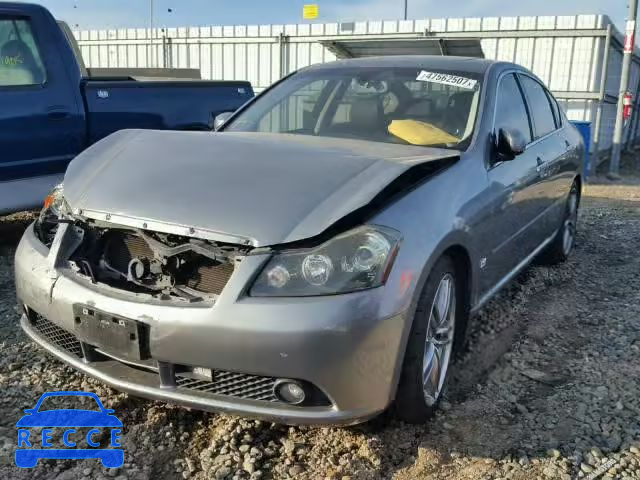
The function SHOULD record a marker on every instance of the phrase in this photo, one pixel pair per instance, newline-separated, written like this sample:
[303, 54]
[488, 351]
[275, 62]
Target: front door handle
[57, 115]
[57, 112]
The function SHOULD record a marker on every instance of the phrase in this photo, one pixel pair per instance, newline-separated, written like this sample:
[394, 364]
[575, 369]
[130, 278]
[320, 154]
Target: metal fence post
[283, 41]
[164, 50]
[629, 44]
[597, 126]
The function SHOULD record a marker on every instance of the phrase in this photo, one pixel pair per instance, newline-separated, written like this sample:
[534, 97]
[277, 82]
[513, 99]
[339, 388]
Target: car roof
[30, 8]
[465, 64]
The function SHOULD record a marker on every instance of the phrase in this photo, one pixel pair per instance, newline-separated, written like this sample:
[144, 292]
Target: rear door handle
[540, 166]
[567, 144]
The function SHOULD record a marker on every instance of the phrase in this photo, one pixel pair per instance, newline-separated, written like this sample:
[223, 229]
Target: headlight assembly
[355, 260]
[55, 207]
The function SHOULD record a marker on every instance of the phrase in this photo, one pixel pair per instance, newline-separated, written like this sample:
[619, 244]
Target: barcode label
[446, 79]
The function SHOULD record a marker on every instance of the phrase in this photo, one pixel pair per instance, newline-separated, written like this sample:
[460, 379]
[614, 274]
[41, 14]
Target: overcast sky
[135, 13]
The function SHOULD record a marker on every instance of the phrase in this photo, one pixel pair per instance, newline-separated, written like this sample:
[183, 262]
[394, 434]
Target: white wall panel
[542, 57]
[561, 64]
[582, 65]
[524, 52]
[253, 52]
[506, 49]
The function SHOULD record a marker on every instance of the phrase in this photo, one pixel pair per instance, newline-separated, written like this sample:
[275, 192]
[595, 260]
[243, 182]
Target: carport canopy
[349, 48]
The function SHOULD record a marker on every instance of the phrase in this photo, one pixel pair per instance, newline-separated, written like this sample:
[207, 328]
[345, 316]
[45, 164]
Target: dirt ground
[550, 388]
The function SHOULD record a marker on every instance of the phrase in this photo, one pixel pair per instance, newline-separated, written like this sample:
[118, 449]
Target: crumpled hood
[260, 189]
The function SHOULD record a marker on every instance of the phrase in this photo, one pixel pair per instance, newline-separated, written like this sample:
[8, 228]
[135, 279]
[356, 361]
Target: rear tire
[436, 336]
[562, 245]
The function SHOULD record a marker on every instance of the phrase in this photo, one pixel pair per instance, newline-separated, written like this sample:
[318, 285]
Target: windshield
[415, 106]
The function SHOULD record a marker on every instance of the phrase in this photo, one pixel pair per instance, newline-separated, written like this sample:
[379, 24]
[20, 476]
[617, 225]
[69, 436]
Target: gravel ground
[550, 388]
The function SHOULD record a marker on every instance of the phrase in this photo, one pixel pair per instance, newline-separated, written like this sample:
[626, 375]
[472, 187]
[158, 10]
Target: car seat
[366, 117]
[456, 115]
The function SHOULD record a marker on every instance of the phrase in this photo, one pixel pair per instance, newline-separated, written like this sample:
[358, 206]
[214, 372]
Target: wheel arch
[462, 260]
[459, 251]
[578, 181]
[458, 247]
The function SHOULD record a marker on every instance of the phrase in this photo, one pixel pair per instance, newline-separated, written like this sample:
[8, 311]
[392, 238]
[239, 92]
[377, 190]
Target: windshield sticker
[446, 79]
[11, 61]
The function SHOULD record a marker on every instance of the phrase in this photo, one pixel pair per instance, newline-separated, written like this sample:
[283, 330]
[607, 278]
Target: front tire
[433, 341]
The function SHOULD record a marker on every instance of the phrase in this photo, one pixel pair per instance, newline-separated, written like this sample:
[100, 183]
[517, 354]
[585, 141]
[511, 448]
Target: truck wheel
[560, 248]
[432, 344]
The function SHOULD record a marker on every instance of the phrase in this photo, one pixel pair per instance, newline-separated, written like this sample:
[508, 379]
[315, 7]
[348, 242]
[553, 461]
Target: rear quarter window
[555, 108]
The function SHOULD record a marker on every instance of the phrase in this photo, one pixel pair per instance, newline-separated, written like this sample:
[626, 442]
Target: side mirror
[510, 143]
[221, 119]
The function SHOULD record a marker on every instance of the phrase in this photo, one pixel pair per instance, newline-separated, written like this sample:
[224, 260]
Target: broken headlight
[55, 207]
[356, 260]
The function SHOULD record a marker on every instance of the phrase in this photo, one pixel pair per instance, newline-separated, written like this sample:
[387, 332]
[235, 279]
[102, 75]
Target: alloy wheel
[439, 339]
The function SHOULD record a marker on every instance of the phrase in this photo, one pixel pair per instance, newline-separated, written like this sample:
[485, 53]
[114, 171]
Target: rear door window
[511, 111]
[544, 120]
[20, 59]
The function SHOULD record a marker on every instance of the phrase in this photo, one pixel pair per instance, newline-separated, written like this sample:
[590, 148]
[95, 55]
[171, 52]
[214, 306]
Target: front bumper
[344, 345]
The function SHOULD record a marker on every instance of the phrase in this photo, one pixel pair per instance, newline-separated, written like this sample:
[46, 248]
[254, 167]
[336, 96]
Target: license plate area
[119, 336]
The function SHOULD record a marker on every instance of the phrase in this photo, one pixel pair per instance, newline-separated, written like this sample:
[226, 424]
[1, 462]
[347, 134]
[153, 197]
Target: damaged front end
[165, 266]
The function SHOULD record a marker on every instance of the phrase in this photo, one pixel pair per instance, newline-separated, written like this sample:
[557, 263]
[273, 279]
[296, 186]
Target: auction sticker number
[446, 79]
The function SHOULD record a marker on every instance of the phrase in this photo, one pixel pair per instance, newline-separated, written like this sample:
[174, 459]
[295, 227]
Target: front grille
[211, 278]
[121, 248]
[201, 273]
[239, 385]
[58, 336]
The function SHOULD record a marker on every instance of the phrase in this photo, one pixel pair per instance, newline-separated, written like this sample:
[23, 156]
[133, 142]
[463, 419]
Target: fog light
[289, 391]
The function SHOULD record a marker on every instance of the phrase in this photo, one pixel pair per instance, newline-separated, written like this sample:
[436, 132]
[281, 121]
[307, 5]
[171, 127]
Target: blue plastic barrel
[585, 130]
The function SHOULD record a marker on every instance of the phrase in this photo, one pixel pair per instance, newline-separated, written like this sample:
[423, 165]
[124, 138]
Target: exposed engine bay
[163, 265]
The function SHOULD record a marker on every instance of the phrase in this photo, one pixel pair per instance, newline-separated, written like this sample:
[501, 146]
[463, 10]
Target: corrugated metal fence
[567, 52]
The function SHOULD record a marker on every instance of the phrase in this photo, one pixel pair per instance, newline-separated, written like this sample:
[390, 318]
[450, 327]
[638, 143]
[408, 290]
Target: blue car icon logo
[69, 425]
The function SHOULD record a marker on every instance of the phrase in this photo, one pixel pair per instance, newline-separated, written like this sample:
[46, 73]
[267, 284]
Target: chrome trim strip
[509, 276]
[522, 230]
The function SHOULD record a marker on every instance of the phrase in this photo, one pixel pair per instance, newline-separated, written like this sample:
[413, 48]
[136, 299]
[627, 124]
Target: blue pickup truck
[52, 107]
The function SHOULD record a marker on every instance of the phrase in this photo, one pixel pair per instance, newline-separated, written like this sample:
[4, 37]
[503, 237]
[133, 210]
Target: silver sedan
[315, 260]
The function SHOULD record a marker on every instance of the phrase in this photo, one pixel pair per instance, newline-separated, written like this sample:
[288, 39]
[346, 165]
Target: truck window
[20, 59]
